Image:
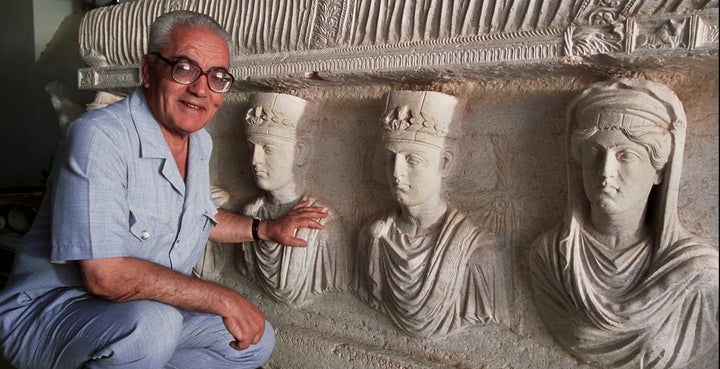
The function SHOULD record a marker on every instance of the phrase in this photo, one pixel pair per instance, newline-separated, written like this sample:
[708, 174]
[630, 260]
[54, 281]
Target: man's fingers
[311, 223]
[242, 344]
[239, 345]
[258, 336]
[310, 212]
[302, 204]
[295, 242]
[283, 230]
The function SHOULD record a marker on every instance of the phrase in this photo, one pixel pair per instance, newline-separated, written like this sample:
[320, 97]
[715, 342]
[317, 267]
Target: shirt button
[144, 235]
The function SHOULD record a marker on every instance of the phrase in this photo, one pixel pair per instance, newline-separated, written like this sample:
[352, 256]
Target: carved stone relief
[215, 254]
[427, 265]
[277, 133]
[620, 283]
[314, 42]
[516, 64]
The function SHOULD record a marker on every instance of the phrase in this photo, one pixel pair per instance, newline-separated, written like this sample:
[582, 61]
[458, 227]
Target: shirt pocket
[149, 228]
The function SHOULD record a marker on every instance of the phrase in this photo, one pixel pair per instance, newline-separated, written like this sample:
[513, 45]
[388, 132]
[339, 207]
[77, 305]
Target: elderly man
[102, 279]
[428, 266]
[277, 132]
[620, 283]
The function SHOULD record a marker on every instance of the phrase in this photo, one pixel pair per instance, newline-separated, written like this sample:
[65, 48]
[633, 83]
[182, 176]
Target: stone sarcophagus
[495, 199]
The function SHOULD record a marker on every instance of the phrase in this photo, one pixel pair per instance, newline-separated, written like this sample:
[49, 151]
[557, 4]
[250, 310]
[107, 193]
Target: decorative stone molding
[657, 36]
[320, 41]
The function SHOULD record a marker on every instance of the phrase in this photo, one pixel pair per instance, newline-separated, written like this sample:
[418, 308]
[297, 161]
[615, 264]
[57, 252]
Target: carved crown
[274, 114]
[420, 116]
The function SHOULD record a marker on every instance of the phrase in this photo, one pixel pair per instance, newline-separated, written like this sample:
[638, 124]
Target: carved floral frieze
[642, 36]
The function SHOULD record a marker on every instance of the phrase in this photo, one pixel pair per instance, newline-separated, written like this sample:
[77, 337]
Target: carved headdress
[275, 114]
[652, 303]
[631, 104]
[426, 117]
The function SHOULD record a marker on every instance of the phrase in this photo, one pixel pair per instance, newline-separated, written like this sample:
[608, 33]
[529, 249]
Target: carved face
[414, 172]
[183, 109]
[273, 161]
[617, 173]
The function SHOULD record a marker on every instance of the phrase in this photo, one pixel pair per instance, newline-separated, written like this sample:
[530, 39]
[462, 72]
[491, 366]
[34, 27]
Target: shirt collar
[152, 141]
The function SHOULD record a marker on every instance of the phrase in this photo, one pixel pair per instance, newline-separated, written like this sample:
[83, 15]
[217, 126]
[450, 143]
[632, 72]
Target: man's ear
[145, 68]
[302, 153]
[447, 160]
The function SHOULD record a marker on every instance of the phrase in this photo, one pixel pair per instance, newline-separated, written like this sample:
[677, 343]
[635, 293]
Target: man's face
[273, 161]
[414, 172]
[183, 109]
[617, 173]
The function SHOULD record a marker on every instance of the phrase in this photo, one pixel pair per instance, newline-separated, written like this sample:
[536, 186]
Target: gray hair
[162, 26]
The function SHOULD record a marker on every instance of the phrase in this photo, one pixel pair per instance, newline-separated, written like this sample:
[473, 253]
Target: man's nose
[200, 86]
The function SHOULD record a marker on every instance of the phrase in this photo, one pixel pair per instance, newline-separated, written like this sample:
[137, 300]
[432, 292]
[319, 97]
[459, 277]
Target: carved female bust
[620, 283]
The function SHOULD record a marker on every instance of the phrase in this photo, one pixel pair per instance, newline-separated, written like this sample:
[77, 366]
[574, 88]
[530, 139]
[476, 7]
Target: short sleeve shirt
[116, 191]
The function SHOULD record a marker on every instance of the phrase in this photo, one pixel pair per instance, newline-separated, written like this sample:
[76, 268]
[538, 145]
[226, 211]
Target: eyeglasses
[186, 72]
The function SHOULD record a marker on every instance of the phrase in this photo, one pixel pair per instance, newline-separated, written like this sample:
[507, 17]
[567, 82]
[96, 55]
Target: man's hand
[245, 322]
[282, 230]
[129, 279]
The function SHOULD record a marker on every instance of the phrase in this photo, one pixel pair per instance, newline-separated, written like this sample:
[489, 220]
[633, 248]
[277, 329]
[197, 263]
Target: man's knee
[149, 337]
[257, 354]
[267, 343]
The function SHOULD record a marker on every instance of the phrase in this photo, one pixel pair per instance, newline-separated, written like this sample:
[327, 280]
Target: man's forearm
[234, 228]
[129, 279]
[231, 228]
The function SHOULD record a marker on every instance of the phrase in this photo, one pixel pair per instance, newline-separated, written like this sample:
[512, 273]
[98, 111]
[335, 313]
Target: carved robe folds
[435, 284]
[647, 303]
[637, 310]
[296, 275]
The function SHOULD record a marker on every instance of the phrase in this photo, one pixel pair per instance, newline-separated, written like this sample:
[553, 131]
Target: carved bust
[276, 132]
[426, 265]
[620, 283]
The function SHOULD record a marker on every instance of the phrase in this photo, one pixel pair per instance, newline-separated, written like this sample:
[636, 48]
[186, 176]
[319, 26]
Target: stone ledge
[634, 42]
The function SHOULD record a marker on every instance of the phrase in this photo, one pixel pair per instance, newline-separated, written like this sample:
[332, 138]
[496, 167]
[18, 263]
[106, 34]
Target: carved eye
[628, 156]
[592, 153]
[415, 159]
[269, 149]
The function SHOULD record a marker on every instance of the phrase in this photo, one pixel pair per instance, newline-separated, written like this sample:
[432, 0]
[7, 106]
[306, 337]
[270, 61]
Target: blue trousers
[56, 331]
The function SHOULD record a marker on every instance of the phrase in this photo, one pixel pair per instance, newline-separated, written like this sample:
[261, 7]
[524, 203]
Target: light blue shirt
[116, 191]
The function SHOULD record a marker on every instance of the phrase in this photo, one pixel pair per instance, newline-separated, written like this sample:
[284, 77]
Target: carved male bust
[620, 283]
[276, 132]
[425, 264]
